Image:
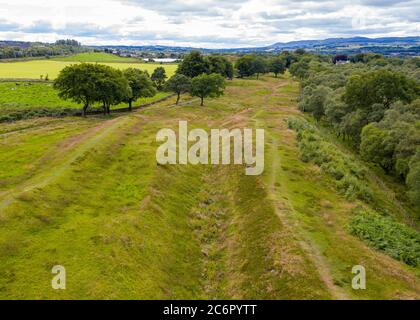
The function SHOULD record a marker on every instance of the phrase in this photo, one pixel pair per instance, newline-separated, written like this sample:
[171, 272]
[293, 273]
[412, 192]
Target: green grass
[26, 100]
[35, 68]
[88, 194]
[95, 57]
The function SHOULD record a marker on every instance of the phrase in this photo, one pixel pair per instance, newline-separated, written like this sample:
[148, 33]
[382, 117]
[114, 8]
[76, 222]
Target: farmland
[88, 194]
[20, 99]
[35, 68]
[96, 57]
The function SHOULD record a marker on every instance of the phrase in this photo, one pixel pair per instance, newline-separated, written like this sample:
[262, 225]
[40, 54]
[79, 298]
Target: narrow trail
[43, 178]
[285, 210]
[313, 253]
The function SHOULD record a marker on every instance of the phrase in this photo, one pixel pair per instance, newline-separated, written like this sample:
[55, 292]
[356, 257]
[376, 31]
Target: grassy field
[28, 100]
[35, 68]
[25, 100]
[87, 194]
[96, 57]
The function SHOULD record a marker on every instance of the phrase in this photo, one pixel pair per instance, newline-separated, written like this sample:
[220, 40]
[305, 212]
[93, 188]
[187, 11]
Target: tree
[300, 69]
[78, 83]
[140, 83]
[158, 77]
[260, 65]
[88, 83]
[245, 66]
[300, 52]
[352, 124]
[314, 100]
[111, 87]
[178, 84]
[221, 65]
[380, 86]
[229, 70]
[204, 86]
[377, 146]
[413, 179]
[193, 65]
[335, 108]
[277, 66]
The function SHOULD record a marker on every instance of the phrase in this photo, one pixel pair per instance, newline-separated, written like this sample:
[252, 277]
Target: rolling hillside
[87, 194]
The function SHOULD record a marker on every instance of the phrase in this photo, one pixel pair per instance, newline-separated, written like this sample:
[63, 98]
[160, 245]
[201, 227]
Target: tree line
[90, 84]
[373, 103]
[60, 47]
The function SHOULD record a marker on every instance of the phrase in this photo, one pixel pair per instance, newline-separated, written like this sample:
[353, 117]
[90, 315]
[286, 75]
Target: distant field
[33, 99]
[34, 69]
[96, 57]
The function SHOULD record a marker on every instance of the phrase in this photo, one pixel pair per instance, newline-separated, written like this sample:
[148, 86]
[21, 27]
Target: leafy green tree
[335, 108]
[205, 85]
[413, 179]
[380, 86]
[111, 87]
[245, 66]
[193, 65]
[300, 51]
[352, 124]
[178, 84]
[229, 69]
[159, 77]
[260, 66]
[277, 66]
[89, 83]
[377, 146]
[140, 83]
[300, 69]
[221, 65]
[314, 100]
[78, 82]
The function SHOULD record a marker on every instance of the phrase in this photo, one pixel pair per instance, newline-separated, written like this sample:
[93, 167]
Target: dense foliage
[61, 47]
[140, 83]
[88, 83]
[349, 177]
[159, 77]
[251, 64]
[195, 64]
[373, 103]
[386, 234]
[207, 85]
[178, 84]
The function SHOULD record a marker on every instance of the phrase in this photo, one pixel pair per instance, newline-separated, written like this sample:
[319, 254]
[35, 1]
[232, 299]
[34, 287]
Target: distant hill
[386, 46]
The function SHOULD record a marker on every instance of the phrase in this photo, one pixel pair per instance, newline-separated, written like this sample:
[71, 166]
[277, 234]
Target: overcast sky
[205, 23]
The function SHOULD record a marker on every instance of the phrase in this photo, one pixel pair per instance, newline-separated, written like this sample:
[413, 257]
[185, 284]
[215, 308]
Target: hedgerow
[348, 176]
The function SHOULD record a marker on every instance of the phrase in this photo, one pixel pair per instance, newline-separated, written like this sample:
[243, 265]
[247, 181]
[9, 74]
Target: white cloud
[205, 23]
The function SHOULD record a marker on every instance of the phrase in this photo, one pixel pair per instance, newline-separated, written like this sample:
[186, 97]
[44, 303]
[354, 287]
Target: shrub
[385, 234]
[348, 176]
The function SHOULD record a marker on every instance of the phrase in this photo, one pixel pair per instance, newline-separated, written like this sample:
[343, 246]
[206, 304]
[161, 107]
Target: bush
[349, 177]
[388, 235]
